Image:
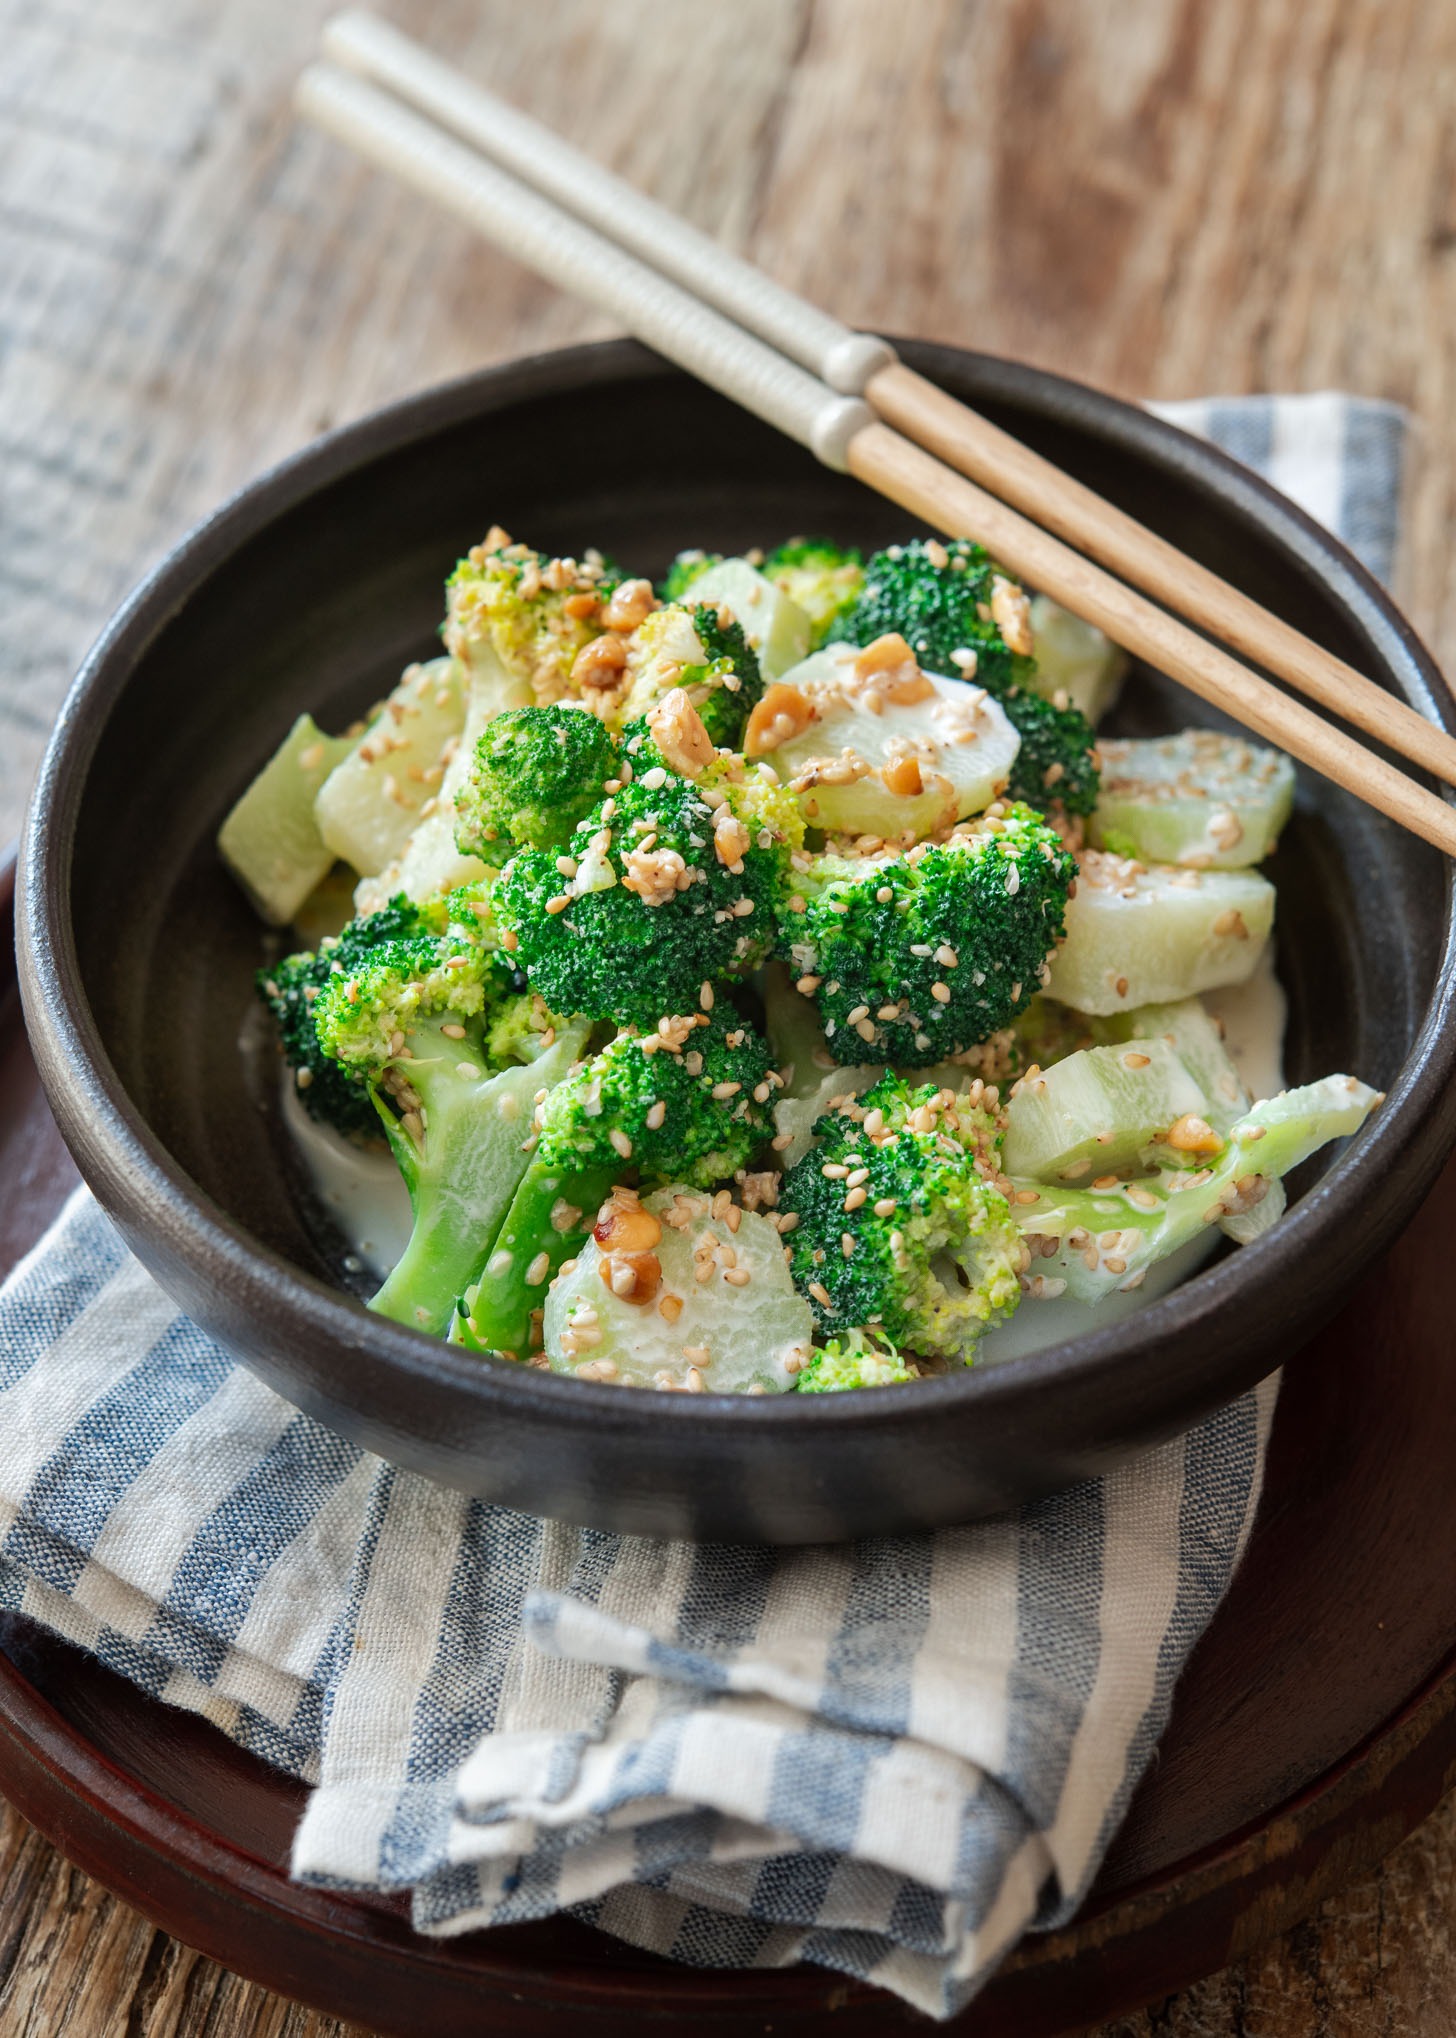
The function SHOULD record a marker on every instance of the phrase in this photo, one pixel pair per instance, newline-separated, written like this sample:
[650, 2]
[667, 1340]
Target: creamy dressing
[364, 1195]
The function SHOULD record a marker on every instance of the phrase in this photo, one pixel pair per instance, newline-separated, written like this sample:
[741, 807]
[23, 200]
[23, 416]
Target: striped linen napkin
[891, 1758]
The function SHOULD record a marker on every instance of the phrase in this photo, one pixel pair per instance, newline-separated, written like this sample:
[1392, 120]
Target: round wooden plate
[1315, 1727]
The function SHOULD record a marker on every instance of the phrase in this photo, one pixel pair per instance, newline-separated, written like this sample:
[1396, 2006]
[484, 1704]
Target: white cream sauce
[362, 1191]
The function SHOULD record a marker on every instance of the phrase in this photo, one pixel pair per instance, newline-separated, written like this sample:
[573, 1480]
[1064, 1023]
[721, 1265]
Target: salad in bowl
[766, 981]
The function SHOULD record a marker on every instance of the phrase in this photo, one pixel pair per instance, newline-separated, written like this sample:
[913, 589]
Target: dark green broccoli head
[713, 663]
[1058, 755]
[535, 774]
[291, 988]
[729, 679]
[688, 1102]
[646, 911]
[684, 570]
[825, 580]
[899, 1227]
[916, 958]
[939, 598]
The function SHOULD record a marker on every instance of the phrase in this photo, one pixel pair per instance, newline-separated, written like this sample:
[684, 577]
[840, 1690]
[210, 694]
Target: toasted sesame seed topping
[539, 1268]
[821, 1294]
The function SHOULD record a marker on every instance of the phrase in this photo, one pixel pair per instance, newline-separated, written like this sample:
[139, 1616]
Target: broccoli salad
[766, 981]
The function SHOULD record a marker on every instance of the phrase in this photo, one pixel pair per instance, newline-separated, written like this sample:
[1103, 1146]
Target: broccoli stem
[461, 1184]
[528, 1249]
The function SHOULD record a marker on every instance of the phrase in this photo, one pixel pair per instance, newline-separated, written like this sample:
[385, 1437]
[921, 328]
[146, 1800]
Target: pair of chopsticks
[860, 409]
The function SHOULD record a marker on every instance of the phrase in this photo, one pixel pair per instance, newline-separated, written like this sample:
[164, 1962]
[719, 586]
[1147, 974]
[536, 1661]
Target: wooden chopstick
[842, 431]
[862, 364]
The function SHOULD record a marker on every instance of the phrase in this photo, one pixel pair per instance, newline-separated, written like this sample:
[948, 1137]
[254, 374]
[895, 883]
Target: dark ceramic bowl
[311, 589]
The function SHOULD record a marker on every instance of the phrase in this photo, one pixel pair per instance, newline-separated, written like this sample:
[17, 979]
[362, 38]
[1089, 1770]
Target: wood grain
[1168, 197]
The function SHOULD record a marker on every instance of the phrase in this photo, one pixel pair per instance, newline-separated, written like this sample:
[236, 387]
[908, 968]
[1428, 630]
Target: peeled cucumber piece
[1095, 1111]
[772, 621]
[429, 861]
[271, 841]
[736, 1337]
[1197, 1039]
[1074, 658]
[1144, 934]
[1094, 1242]
[1204, 800]
[886, 753]
[369, 807]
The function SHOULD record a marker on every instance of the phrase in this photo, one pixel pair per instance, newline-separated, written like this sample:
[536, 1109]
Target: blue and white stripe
[890, 1758]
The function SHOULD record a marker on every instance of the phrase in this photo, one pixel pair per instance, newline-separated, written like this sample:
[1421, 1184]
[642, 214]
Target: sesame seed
[705, 995]
[835, 1170]
[864, 1029]
[940, 993]
[821, 1294]
[737, 1277]
[656, 1115]
[695, 1381]
[453, 1032]
[670, 1308]
[855, 1197]
[722, 1090]
[539, 1268]
[885, 894]
[846, 1244]
[1105, 1182]
[1136, 1061]
[559, 904]
[947, 956]
[808, 985]
[621, 1142]
[886, 1206]
[860, 1012]
[786, 1220]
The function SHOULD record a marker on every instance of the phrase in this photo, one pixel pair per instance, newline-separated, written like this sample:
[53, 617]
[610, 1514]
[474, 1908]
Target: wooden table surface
[1166, 197]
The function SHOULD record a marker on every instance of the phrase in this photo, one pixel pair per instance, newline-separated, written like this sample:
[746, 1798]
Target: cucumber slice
[1097, 1241]
[1095, 1111]
[1074, 658]
[271, 841]
[1197, 1039]
[893, 754]
[743, 1336]
[772, 621]
[369, 807]
[1207, 801]
[1141, 934]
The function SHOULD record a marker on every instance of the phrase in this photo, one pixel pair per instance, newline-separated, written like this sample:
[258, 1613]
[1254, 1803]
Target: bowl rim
[121, 1148]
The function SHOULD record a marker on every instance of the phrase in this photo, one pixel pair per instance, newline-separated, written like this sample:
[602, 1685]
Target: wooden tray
[1314, 1728]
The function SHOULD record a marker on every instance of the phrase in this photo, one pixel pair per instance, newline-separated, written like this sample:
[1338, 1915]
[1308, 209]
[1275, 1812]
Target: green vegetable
[510, 611]
[686, 1104]
[824, 580]
[1102, 1240]
[1201, 799]
[1197, 1039]
[714, 665]
[857, 1359]
[652, 914]
[369, 805]
[1094, 1112]
[960, 614]
[714, 1309]
[410, 1018]
[291, 988]
[535, 774]
[270, 841]
[1145, 934]
[1074, 660]
[775, 626]
[930, 1255]
[915, 958]
[685, 571]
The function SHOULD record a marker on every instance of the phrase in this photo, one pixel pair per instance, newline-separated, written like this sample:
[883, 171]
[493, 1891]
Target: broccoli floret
[684, 570]
[714, 665]
[1058, 756]
[687, 1102]
[824, 579]
[535, 774]
[905, 1233]
[857, 1358]
[410, 1019]
[291, 987]
[960, 614]
[506, 605]
[654, 911]
[916, 958]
